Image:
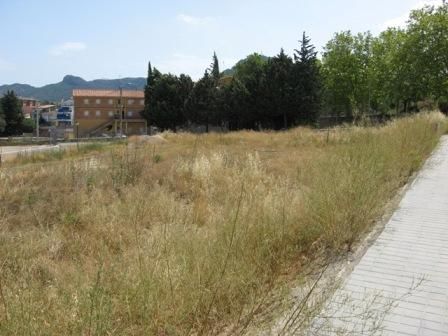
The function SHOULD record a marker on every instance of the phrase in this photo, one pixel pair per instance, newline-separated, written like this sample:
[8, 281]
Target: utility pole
[37, 123]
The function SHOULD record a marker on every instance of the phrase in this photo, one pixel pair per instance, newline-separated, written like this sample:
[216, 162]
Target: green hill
[231, 71]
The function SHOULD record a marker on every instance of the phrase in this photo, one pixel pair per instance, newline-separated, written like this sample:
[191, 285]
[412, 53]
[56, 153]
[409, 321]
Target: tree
[281, 109]
[214, 68]
[348, 74]
[427, 31]
[12, 111]
[232, 104]
[394, 82]
[307, 82]
[165, 96]
[150, 77]
[307, 52]
[201, 103]
[251, 74]
[166, 99]
[153, 74]
[2, 118]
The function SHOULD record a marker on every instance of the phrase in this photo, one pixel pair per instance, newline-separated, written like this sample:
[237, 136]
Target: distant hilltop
[63, 89]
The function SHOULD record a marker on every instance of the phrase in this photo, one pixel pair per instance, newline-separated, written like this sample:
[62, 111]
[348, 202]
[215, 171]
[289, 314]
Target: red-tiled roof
[108, 93]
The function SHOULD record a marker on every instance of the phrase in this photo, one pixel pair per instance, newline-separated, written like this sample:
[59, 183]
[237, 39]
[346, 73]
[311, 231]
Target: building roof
[108, 93]
[27, 98]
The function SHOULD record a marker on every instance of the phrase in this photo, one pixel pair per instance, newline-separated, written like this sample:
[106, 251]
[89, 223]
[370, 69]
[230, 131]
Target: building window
[130, 113]
[86, 113]
[98, 113]
[142, 102]
[111, 101]
[98, 101]
[130, 101]
[111, 114]
[86, 101]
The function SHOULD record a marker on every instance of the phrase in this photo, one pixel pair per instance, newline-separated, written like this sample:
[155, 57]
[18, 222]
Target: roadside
[311, 294]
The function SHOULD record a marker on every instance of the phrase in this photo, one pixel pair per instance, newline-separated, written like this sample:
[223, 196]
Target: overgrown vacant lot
[189, 236]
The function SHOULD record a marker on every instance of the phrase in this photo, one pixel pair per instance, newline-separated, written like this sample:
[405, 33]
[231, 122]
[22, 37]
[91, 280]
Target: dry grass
[188, 237]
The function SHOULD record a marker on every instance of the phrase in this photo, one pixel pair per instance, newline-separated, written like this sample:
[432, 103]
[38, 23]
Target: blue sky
[43, 40]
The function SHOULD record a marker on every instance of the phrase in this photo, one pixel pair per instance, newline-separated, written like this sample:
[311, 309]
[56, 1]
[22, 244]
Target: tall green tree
[233, 105]
[2, 118]
[348, 74]
[165, 96]
[201, 104]
[251, 74]
[394, 81]
[13, 116]
[153, 75]
[427, 32]
[307, 82]
[214, 68]
[281, 109]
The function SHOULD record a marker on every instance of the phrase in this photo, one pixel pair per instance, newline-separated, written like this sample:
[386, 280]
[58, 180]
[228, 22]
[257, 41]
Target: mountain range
[63, 90]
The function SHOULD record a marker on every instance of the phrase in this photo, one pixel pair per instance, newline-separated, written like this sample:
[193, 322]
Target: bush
[28, 126]
[443, 105]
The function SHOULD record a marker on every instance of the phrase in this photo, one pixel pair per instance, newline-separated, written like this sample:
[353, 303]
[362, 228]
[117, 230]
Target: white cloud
[67, 47]
[401, 20]
[194, 20]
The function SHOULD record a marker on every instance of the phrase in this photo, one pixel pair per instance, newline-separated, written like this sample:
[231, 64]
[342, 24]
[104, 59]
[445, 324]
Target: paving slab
[400, 286]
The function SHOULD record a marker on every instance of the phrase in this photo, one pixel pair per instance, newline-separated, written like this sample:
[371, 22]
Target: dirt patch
[148, 139]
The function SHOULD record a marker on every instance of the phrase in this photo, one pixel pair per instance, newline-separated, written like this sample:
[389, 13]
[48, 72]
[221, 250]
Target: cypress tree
[2, 118]
[214, 68]
[12, 111]
[149, 78]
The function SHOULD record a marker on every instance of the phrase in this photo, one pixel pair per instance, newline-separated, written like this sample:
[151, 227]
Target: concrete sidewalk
[400, 286]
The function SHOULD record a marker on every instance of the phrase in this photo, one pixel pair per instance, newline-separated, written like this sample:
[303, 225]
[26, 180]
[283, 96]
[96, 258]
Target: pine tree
[153, 75]
[307, 82]
[214, 68]
[280, 109]
[12, 111]
[201, 104]
[150, 76]
[307, 52]
[2, 118]
[165, 96]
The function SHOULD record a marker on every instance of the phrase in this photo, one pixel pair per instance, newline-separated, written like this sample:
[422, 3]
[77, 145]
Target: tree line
[391, 73]
[276, 93]
[398, 71]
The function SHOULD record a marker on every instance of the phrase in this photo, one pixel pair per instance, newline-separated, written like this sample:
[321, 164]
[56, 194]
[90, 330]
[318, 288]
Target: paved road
[400, 286]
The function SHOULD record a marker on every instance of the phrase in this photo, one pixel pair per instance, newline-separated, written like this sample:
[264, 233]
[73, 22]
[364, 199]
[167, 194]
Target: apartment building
[111, 112]
[28, 106]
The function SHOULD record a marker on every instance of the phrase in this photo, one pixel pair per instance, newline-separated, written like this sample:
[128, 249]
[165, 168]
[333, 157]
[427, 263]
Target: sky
[44, 40]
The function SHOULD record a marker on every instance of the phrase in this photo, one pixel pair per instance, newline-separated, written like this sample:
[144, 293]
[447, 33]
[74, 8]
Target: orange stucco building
[111, 112]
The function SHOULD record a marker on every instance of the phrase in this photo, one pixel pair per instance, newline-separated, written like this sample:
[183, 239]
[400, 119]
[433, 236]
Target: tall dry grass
[190, 237]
